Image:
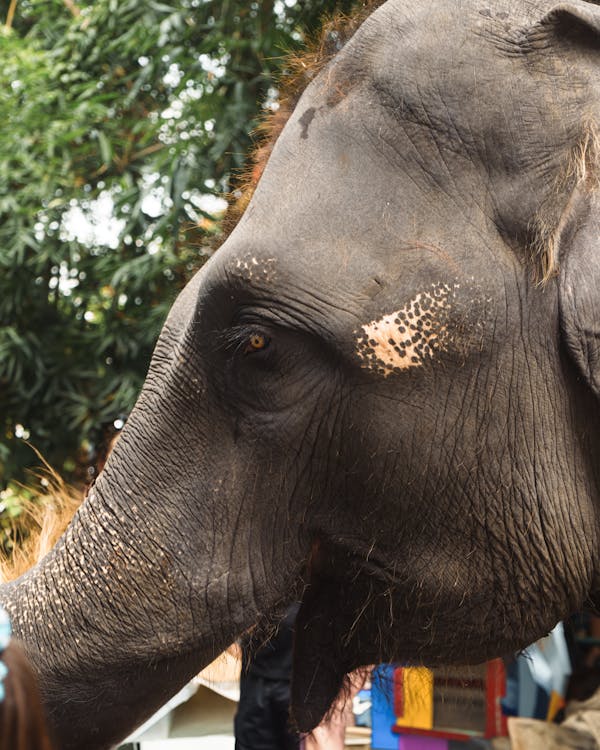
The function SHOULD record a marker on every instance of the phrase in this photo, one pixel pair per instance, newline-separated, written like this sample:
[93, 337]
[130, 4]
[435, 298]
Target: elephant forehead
[410, 335]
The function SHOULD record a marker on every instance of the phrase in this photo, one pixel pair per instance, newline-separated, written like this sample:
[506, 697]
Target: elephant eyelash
[236, 338]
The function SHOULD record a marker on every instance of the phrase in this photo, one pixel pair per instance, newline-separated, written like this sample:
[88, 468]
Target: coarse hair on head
[22, 719]
[580, 173]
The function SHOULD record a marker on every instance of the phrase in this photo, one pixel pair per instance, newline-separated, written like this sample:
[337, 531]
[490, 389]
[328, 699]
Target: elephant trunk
[105, 622]
[144, 589]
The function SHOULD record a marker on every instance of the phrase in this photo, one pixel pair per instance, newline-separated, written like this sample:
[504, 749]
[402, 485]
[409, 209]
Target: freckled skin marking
[407, 337]
[249, 267]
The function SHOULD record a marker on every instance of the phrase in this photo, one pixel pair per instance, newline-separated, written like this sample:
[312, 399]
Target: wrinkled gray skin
[444, 511]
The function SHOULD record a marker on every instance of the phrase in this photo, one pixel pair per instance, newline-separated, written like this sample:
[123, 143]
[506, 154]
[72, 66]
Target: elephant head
[380, 395]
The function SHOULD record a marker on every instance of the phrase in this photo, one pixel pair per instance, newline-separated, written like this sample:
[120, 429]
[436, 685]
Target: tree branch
[11, 14]
[75, 10]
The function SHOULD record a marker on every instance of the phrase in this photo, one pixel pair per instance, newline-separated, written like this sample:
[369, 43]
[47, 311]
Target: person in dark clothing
[262, 721]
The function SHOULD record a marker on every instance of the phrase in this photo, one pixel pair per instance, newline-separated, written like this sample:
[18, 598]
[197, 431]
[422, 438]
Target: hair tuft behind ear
[580, 175]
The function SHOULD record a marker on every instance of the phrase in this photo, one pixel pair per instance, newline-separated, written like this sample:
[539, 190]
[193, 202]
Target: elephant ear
[579, 294]
[575, 27]
[577, 21]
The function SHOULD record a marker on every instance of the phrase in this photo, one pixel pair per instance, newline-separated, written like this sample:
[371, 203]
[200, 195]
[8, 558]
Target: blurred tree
[121, 122]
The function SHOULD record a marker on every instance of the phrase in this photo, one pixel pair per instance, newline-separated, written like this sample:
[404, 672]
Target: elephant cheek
[333, 635]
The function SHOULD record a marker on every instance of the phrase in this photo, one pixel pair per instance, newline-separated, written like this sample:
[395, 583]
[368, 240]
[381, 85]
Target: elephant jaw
[334, 632]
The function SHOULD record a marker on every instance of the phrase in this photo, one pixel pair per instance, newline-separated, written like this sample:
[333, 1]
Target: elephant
[380, 396]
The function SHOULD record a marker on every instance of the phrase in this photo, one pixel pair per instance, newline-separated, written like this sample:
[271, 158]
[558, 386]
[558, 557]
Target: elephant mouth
[357, 611]
[335, 626]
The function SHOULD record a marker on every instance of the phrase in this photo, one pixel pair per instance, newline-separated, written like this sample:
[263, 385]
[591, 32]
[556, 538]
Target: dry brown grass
[45, 516]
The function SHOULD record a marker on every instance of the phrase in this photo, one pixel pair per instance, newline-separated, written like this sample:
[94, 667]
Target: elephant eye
[256, 342]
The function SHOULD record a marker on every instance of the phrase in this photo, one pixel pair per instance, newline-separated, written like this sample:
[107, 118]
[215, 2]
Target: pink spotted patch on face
[409, 336]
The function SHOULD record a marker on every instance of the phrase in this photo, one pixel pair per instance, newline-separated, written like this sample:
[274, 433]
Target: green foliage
[118, 120]
[12, 499]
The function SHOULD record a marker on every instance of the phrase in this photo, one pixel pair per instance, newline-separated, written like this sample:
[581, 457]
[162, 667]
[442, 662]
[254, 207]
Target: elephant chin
[334, 633]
